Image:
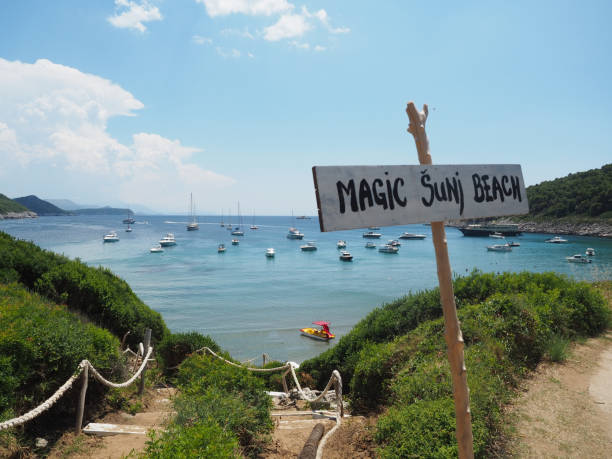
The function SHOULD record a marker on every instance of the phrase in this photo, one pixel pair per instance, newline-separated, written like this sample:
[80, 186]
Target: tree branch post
[452, 330]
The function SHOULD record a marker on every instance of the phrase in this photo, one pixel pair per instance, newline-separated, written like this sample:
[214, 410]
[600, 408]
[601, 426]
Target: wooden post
[309, 451]
[147, 343]
[452, 331]
[81, 407]
[263, 357]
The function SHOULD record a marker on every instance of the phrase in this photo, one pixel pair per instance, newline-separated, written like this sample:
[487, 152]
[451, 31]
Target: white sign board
[351, 197]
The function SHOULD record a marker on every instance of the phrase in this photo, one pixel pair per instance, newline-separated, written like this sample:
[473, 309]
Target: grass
[558, 349]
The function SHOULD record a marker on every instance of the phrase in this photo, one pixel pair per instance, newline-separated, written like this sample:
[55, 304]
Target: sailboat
[294, 233]
[254, 226]
[193, 226]
[129, 220]
[237, 231]
[222, 225]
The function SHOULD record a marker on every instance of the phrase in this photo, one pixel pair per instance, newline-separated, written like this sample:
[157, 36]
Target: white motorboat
[499, 248]
[578, 258]
[556, 240]
[394, 242]
[157, 249]
[513, 244]
[111, 237]
[497, 235]
[235, 242]
[253, 225]
[294, 233]
[412, 236]
[341, 244]
[387, 248]
[370, 245]
[590, 252]
[168, 240]
[309, 247]
[237, 232]
[270, 252]
[221, 248]
[346, 256]
[372, 235]
[128, 229]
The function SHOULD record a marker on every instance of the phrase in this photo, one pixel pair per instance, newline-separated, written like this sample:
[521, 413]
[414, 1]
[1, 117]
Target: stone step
[103, 430]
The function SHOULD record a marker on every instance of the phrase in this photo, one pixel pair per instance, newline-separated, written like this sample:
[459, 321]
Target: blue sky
[142, 102]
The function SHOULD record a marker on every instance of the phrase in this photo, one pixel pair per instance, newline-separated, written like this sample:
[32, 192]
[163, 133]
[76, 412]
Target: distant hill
[39, 206]
[102, 211]
[583, 194]
[8, 205]
[65, 204]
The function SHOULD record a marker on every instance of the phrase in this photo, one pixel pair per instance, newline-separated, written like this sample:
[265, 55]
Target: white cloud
[227, 53]
[250, 7]
[53, 125]
[299, 45]
[288, 26]
[244, 33]
[319, 48]
[292, 25]
[199, 40]
[132, 14]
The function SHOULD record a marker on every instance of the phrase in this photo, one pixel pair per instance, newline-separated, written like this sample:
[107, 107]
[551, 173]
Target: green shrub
[200, 440]
[557, 348]
[41, 345]
[97, 293]
[212, 391]
[508, 322]
[175, 347]
[372, 373]
[425, 429]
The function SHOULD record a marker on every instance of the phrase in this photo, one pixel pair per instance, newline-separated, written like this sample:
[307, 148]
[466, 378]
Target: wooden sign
[352, 197]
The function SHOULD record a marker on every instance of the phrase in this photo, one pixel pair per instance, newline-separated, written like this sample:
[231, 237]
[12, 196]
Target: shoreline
[598, 229]
[16, 215]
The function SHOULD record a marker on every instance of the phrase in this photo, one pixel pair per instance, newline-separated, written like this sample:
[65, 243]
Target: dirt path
[566, 409]
[157, 411]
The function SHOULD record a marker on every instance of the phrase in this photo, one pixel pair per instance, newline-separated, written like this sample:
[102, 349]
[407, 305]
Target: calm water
[251, 304]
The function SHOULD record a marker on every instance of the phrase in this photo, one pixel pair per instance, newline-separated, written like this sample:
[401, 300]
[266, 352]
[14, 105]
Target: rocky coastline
[14, 215]
[597, 229]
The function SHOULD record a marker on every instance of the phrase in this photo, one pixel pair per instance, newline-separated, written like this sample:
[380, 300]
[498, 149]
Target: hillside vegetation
[96, 293]
[394, 360]
[583, 194]
[41, 207]
[8, 205]
[41, 345]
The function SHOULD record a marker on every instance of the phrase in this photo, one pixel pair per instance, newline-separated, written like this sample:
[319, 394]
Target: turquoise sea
[251, 304]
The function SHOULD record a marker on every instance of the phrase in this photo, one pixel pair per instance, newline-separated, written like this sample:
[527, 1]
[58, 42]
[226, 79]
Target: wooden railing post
[147, 343]
[81, 407]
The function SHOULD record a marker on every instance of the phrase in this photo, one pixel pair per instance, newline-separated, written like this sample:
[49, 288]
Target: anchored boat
[322, 334]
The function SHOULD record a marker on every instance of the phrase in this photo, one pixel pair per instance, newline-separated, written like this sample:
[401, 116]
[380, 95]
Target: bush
[196, 441]
[175, 347]
[105, 299]
[213, 392]
[41, 345]
[508, 321]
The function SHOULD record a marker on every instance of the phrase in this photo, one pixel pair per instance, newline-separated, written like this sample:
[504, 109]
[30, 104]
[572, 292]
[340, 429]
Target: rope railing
[83, 366]
[290, 367]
